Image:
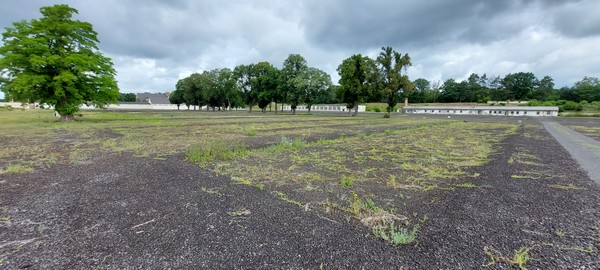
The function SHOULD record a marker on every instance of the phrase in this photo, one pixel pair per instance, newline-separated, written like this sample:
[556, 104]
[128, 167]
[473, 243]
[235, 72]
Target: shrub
[386, 115]
[572, 106]
[377, 109]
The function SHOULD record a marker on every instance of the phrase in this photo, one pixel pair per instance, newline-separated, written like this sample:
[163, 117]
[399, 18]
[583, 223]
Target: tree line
[362, 79]
[514, 86]
[256, 84]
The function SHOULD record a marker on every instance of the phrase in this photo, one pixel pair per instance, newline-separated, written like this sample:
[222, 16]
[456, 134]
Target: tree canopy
[391, 63]
[358, 80]
[55, 60]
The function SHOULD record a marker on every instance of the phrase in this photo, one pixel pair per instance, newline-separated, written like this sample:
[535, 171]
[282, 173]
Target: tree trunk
[293, 111]
[178, 107]
[355, 110]
[309, 107]
[250, 107]
[275, 106]
[281, 106]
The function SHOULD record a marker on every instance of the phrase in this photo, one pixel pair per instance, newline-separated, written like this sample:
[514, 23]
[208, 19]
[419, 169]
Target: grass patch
[567, 187]
[206, 153]
[284, 197]
[17, 169]
[213, 191]
[242, 181]
[286, 144]
[346, 181]
[466, 185]
[519, 259]
[239, 213]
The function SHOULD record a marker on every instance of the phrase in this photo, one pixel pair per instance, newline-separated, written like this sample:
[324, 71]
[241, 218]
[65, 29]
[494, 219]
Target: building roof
[492, 108]
[153, 98]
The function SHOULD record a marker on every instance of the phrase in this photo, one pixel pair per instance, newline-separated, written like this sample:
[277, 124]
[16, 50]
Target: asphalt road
[582, 148]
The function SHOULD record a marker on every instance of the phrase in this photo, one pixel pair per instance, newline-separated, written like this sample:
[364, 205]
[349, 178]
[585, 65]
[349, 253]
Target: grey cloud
[154, 42]
[577, 19]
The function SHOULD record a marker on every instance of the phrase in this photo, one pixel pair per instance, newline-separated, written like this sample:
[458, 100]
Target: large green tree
[313, 82]
[176, 97]
[358, 80]
[55, 60]
[265, 84]
[391, 63]
[518, 85]
[244, 75]
[293, 68]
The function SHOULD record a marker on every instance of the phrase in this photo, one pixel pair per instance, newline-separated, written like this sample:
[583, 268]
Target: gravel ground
[123, 212]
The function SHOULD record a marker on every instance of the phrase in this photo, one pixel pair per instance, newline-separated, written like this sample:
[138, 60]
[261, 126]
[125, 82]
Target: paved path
[582, 148]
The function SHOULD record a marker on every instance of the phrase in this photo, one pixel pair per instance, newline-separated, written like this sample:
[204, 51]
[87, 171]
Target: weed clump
[395, 235]
[206, 153]
[346, 181]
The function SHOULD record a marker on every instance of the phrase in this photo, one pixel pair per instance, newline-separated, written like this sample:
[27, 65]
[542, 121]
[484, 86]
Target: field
[238, 190]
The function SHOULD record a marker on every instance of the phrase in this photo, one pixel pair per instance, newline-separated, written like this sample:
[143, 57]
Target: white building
[484, 110]
[325, 108]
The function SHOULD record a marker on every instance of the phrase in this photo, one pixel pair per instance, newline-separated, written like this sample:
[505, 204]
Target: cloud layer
[155, 43]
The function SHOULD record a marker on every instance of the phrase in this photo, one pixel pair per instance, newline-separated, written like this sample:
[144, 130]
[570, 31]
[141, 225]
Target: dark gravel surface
[122, 212]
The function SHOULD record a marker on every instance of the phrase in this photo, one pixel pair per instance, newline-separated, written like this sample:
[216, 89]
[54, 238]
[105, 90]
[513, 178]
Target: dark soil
[123, 212]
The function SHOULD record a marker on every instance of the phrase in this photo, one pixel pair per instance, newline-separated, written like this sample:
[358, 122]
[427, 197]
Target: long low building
[484, 110]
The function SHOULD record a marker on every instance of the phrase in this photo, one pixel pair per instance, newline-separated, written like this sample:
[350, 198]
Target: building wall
[511, 111]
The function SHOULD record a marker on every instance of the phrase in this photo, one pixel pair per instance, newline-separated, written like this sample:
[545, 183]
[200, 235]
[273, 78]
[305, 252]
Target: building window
[460, 111]
[538, 113]
[517, 112]
[548, 112]
[525, 112]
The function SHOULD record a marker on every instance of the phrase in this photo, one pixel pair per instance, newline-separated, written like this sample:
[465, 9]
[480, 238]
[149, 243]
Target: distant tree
[518, 85]
[358, 80]
[55, 60]
[293, 81]
[244, 75]
[587, 89]
[477, 90]
[265, 84]
[391, 64]
[422, 87]
[313, 82]
[328, 96]
[227, 87]
[127, 97]
[209, 85]
[453, 91]
[544, 90]
[176, 97]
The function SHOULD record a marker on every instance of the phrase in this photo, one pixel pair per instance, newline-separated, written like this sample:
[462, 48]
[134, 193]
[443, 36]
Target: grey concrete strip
[582, 148]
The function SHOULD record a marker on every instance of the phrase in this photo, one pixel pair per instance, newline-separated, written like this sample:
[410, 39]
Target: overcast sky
[153, 43]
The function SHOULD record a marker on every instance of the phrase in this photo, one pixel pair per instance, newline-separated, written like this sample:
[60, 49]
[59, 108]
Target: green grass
[16, 169]
[205, 153]
[466, 185]
[519, 259]
[568, 187]
[396, 235]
